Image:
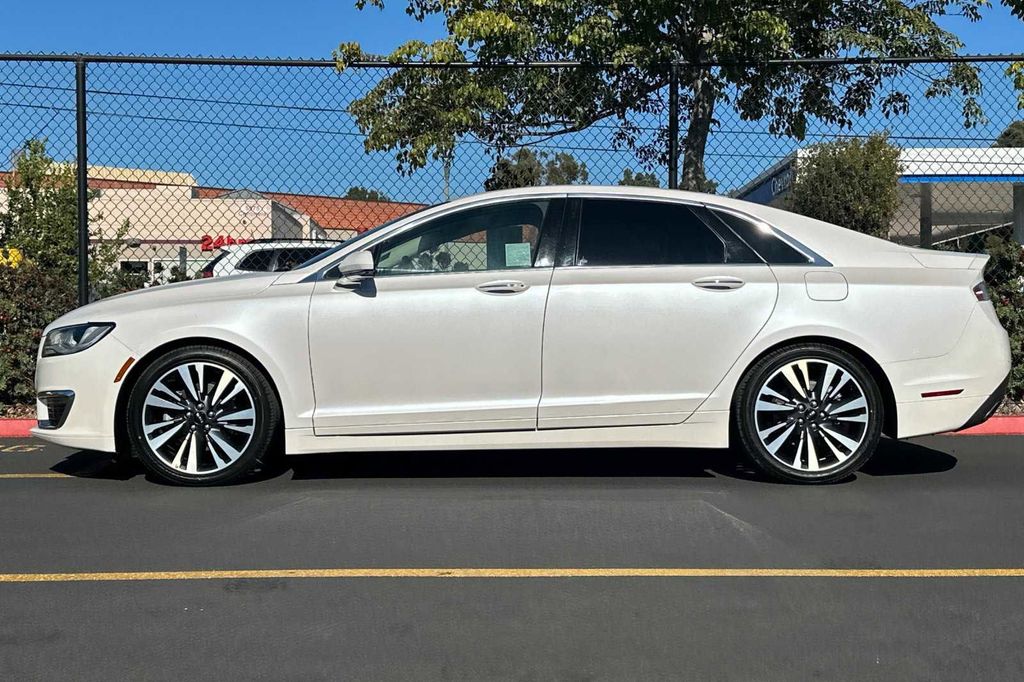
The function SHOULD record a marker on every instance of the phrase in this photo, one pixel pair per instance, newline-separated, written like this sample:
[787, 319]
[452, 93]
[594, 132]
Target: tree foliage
[1013, 136]
[420, 113]
[1005, 275]
[40, 223]
[525, 168]
[852, 183]
[365, 194]
[639, 179]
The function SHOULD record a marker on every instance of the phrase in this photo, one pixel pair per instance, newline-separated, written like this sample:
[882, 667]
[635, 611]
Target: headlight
[68, 340]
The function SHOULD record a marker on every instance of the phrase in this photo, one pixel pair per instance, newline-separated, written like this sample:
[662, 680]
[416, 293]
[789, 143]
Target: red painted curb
[16, 428]
[997, 426]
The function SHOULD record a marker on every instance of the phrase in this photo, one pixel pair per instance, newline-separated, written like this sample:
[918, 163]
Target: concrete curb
[995, 426]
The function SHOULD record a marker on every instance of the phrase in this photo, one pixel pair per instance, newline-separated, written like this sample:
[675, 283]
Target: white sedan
[547, 317]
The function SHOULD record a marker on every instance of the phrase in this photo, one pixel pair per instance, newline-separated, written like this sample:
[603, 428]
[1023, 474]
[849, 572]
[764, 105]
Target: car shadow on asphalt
[893, 458]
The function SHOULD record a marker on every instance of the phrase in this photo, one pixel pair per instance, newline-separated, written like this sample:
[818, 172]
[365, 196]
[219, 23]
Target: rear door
[649, 307]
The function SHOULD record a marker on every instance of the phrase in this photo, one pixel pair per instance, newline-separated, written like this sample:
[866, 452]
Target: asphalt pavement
[896, 570]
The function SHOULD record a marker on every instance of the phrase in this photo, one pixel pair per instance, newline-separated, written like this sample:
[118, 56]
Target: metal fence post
[673, 126]
[1018, 213]
[926, 215]
[82, 183]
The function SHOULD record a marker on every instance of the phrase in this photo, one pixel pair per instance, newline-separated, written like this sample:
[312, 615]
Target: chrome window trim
[813, 258]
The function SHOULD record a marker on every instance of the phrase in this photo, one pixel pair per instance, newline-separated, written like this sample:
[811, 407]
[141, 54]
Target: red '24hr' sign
[211, 243]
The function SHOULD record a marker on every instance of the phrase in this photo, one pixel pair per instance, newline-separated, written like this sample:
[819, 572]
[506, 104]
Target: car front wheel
[809, 413]
[202, 415]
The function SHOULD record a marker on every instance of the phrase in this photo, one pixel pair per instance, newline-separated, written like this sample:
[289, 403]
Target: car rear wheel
[202, 415]
[809, 413]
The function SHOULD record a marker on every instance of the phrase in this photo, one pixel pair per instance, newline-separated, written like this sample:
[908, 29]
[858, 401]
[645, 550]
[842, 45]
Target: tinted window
[257, 260]
[624, 232]
[494, 237]
[762, 240]
[289, 258]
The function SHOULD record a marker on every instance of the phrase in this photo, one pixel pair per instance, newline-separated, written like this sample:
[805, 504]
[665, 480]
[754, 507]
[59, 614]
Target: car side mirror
[354, 269]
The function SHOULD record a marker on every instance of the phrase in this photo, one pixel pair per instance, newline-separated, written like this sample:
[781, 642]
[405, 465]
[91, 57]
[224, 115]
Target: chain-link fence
[204, 167]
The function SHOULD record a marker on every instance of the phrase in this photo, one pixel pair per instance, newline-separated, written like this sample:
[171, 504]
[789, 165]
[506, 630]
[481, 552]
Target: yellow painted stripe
[41, 475]
[342, 573]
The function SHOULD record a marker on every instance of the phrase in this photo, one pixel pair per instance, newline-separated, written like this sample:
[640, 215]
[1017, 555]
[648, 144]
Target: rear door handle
[503, 286]
[718, 283]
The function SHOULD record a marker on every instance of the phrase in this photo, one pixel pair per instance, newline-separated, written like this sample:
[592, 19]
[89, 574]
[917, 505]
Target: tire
[808, 413]
[214, 428]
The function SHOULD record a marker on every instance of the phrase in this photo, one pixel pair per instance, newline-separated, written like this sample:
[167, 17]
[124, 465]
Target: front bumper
[88, 420]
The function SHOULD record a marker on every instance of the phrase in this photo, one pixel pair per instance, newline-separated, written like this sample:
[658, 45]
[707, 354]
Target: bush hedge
[30, 298]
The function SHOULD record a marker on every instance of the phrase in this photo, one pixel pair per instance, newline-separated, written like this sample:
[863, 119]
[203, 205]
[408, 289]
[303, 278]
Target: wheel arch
[139, 366]
[889, 423]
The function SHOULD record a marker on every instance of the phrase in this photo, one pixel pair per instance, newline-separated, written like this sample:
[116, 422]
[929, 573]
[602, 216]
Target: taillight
[206, 273]
[980, 291]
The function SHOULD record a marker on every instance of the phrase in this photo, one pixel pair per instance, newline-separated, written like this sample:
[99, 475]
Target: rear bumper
[977, 369]
[988, 408]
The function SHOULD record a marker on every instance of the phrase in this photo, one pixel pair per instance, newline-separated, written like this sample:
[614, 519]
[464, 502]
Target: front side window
[630, 232]
[494, 237]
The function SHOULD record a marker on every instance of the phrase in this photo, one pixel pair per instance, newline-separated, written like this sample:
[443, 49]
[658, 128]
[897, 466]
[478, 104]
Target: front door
[447, 335]
[648, 314]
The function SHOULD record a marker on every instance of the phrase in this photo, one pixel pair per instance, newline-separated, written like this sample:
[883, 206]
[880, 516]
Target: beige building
[167, 219]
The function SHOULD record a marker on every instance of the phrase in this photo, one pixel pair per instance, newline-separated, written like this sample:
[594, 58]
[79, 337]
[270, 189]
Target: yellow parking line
[41, 475]
[343, 573]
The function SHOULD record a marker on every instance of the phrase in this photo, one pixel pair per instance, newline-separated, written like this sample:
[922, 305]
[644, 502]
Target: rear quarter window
[765, 242]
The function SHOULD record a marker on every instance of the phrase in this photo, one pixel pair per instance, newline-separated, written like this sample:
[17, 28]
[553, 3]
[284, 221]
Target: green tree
[42, 210]
[1013, 136]
[525, 168]
[639, 179]
[851, 182]
[365, 194]
[419, 113]
[41, 221]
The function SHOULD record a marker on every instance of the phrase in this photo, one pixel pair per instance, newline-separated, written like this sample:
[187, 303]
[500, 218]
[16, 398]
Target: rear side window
[764, 241]
[291, 258]
[629, 232]
[257, 261]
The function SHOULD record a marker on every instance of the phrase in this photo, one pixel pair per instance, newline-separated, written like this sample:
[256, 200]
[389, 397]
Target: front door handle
[503, 286]
[718, 283]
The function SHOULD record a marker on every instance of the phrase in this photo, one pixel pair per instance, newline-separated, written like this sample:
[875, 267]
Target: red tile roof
[330, 213]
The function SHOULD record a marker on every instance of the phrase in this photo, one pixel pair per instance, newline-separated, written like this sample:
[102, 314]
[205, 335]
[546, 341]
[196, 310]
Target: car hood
[168, 295]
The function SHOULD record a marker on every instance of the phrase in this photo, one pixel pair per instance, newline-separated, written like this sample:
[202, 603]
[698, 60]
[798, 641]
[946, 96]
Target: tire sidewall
[250, 376]
[747, 425]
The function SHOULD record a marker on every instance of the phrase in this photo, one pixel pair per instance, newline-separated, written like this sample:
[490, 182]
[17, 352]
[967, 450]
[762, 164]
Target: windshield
[361, 237]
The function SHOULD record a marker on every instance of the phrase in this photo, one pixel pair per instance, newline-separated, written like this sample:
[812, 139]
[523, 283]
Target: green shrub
[30, 298]
[1005, 278]
[852, 183]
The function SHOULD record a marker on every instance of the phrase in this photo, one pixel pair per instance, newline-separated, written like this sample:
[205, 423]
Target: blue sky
[161, 127]
[298, 28]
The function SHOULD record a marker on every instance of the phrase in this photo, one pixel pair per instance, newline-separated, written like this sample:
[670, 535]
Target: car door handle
[718, 283]
[503, 286]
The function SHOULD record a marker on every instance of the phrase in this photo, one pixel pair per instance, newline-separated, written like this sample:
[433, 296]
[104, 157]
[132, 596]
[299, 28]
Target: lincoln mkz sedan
[549, 317]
